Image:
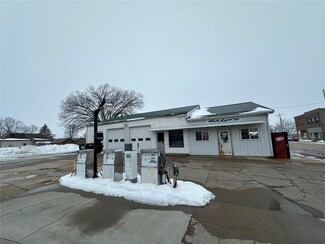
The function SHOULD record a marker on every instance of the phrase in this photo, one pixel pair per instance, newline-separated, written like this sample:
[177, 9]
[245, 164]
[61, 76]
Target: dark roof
[61, 140]
[233, 109]
[160, 113]
[26, 136]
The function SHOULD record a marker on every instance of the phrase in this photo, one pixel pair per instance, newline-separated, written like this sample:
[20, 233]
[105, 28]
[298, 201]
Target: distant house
[63, 141]
[24, 139]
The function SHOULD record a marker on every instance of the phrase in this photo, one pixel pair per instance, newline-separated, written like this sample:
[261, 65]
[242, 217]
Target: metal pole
[95, 142]
[96, 112]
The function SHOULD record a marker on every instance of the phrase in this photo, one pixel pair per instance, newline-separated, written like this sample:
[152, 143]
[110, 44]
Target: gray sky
[174, 53]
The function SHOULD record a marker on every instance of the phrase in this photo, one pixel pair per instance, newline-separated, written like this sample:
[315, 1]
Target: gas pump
[81, 163]
[130, 163]
[109, 165]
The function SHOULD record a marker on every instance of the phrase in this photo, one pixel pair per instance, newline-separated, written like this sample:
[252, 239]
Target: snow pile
[259, 110]
[26, 151]
[197, 114]
[186, 193]
[320, 142]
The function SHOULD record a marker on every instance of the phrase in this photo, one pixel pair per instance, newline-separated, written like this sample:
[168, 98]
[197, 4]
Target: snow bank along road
[261, 201]
[305, 149]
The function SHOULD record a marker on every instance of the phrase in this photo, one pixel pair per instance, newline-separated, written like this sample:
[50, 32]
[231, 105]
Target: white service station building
[237, 129]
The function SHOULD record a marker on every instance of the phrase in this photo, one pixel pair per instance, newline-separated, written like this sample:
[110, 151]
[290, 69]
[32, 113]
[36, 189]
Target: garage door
[115, 139]
[141, 136]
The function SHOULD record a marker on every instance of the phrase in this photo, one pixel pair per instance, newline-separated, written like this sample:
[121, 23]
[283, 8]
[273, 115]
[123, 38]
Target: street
[257, 201]
[308, 149]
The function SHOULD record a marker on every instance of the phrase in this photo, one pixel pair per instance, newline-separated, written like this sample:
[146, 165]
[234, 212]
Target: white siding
[258, 147]
[209, 147]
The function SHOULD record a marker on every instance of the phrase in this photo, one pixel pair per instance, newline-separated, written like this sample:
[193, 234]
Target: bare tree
[286, 125]
[31, 129]
[10, 125]
[71, 131]
[78, 108]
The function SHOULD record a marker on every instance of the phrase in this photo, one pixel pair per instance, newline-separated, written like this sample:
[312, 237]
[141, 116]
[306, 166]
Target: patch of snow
[15, 139]
[186, 193]
[300, 156]
[259, 110]
[320, 142]
[199, 113]
[25, 151]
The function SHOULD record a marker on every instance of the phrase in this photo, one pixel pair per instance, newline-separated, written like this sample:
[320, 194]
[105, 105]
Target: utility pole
[324, 93]
[281, 123]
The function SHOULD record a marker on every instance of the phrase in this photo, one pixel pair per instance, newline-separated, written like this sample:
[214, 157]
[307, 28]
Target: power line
[301, 105]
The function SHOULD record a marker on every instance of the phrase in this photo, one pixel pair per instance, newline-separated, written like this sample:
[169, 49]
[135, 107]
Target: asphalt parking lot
[257, 201]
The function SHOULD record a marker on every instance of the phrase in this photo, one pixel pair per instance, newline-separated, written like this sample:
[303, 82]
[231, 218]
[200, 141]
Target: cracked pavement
[257, 201]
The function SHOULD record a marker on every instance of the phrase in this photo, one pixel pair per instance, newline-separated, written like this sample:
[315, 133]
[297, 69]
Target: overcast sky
[174, 53]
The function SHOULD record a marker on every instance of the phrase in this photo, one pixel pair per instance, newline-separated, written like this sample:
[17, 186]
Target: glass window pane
[244, 134]
[253, 133]
[176, 138]
[198, 136]
[205, 136]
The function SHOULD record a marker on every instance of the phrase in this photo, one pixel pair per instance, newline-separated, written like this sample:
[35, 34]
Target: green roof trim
[154, 114]
[233, 109]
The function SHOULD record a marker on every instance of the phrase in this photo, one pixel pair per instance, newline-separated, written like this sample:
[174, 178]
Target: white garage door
[142, 137]
[115, 139]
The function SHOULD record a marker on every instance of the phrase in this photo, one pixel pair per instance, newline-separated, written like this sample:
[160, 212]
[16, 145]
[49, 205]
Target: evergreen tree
[45, 130]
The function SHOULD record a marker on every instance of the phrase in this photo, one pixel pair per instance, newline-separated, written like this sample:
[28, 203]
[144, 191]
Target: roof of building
[159, 113]
[61, 140]
[238, 108]
[31, 136]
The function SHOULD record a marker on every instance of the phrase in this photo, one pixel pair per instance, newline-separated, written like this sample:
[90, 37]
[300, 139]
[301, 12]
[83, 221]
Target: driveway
[257, 201]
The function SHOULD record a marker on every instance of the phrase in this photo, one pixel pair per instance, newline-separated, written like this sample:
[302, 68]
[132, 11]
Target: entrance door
[161, 142]
[225, 142]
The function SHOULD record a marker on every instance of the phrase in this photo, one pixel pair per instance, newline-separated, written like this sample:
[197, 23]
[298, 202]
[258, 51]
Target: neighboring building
[237, 129]
[14, 142]
[301, 127]
[79, 141]
[314, 121]
[23, 139]
[62, 141]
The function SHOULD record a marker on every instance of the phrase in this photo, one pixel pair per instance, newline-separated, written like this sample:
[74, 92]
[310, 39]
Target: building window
[176, 138]
[133, 139]
[115, 140]
[140, 139]
[160, 137]
[251, 133]
[110, 140]
[202, 136]
[148, 139]
[316, 120]
[121, 140]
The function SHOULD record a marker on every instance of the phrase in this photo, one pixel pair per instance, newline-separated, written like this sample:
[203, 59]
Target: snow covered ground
[186, 193]
[12, 153]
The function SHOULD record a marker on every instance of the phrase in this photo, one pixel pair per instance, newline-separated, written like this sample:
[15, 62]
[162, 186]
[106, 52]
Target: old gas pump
[130, 163]
[149, 166]
[108, 166]
[81, 163]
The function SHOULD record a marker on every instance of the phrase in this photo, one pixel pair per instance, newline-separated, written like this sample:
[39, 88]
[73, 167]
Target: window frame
[202, 136]
[249, 133]
[178, 140]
